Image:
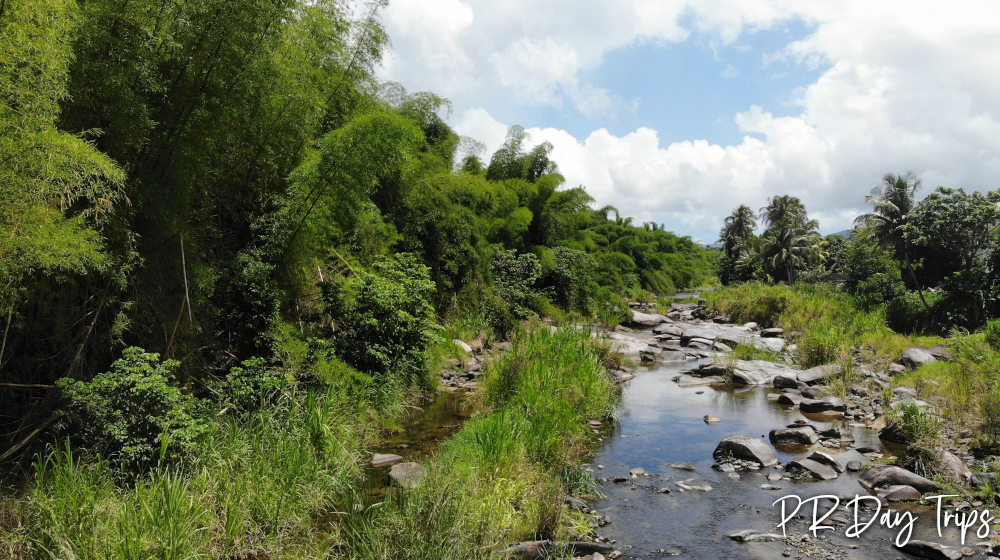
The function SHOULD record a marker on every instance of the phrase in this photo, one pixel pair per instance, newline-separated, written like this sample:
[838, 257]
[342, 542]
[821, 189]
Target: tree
[736, 231]
[891, 204]
[790, 241]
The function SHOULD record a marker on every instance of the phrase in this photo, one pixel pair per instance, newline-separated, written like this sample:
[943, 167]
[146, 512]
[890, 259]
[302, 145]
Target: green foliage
[134, 413]
[572, 279]
[515, 277]
[384, 319]
[252, 386]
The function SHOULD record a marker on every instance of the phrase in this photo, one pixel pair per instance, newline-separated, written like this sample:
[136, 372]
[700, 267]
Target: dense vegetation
[930, 266]
[229, 252]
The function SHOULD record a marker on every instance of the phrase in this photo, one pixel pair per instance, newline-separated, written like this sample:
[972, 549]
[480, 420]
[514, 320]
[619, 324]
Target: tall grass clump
[503, 477]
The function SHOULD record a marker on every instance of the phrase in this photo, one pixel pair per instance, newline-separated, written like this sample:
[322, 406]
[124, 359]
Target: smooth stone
[828, 460]
[385, 459]
[854, 466]
[749, 535]
[785, 382]
[827, 404]
[694, 484]
[637, 472]
[817, 470]
[899, 493]
[802, 435]
[952, 468]
[818, 373]
[892, 475]
[746, 447]
[710, 420]
[646, 319]
[916, 357]
[407, 475]
[684, 466]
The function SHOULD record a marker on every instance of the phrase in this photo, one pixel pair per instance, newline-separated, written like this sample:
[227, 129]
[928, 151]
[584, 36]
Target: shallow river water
[661, 423]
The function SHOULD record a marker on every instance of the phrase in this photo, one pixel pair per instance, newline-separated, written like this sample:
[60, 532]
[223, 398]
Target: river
[661, 423]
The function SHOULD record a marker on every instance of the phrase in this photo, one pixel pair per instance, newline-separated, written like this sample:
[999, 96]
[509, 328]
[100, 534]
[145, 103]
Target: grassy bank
[824, 323]
[285, 481]
[503, 477]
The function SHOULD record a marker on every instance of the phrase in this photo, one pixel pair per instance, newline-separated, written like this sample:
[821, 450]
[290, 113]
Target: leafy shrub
[572, 279]
[251, 386]
[515, 276]
[134, 412]
[384, 318]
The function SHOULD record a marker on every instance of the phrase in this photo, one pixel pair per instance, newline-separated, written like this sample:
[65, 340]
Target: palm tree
[736, 230]
[891, 203]
[790, 240]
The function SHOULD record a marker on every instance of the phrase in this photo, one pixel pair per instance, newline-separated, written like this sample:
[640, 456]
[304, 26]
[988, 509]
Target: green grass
[503, 477]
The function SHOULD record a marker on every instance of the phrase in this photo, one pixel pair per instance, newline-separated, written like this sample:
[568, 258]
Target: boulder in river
[826, 404]
[747, 448]
[785, 382]
[709, 419]
[892, 475]
[759, 372]
[385, 459]
[801, 435]
[817, 470]
[694, 484]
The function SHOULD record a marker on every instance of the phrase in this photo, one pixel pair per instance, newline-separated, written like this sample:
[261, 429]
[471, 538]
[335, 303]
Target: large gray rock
[891, 475]
[812, 375]
[692, 381]
[790, 399]
[817, 470]
[759, 372]
[931, 551]
[802, 435]
[746, 447]
[952, 468]
[826, 404]
[646, 319]
[770, 344]
[828, 460]
[916, 357]
[407, 475]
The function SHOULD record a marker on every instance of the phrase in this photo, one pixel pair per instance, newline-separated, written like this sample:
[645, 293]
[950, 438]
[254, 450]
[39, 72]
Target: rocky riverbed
[706, 446]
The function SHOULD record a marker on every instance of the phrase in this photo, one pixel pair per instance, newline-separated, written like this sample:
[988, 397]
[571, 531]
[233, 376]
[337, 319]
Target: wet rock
[931, 551]
[817, 470]
[663, 490]
[769, 487]
[916, 357]
[745, 447]
[683, 466]
[854, 466]
[818, 373]
[790, 399]
[689, 381]
[826, 404]
[637, 472]
[710, 420]
[619, 479]
[828, 460]
[785, 382]
[892, 475]
[952, 468]
[407, 475]
[385, 459]
[802, 435]
[899, 493]
[695, 484]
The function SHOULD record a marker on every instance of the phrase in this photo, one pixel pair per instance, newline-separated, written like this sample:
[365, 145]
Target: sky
[678, 111]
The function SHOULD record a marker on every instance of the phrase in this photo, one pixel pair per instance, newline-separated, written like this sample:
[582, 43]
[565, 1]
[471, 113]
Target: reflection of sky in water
[661, 423]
